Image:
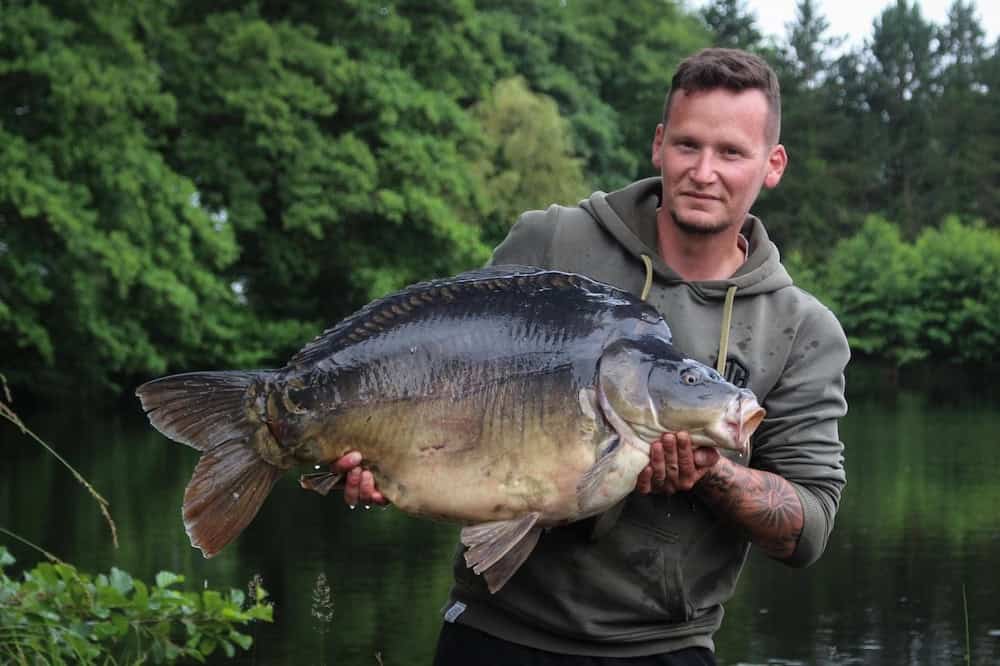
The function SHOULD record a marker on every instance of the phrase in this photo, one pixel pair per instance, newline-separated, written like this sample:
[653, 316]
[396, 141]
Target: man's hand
[675, 464]
[763, 504]
[359, 484]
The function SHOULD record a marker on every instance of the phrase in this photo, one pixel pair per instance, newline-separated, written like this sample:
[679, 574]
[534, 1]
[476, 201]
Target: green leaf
[165, 579]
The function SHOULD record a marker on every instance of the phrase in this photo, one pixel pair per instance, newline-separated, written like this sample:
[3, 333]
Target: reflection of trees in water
[916, 523]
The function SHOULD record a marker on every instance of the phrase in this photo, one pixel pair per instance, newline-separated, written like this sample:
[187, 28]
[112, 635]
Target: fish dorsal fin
[498, 549]
[401, 306]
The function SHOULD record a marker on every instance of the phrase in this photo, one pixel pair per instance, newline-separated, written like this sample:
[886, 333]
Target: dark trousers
[459, 645]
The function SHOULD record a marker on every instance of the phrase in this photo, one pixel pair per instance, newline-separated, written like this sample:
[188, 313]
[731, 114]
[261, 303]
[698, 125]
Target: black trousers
[459, 645]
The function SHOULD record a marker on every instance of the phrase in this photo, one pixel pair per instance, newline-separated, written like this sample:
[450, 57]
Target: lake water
[919, 524]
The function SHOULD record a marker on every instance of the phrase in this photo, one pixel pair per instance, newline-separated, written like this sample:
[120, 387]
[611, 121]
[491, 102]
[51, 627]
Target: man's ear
[776, 163]
[658, 137]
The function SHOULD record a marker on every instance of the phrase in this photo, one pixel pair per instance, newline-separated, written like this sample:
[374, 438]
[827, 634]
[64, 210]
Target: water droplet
[353, 506]
[367, 506]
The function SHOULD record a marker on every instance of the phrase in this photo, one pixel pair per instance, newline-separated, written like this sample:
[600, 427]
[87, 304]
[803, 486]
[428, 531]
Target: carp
[507, 399]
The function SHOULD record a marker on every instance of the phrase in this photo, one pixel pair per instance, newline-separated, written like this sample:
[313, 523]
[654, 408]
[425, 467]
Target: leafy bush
[58, 615]
[959, 281]
[903, 302]
[870, 280]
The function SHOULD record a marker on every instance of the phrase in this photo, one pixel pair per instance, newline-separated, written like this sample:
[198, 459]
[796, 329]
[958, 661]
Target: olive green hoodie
[653, 578]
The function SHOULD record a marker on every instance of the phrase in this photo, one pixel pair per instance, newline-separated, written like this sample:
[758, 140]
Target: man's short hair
[733, 70]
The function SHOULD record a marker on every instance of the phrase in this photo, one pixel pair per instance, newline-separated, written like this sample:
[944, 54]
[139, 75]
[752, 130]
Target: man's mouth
[700, 196]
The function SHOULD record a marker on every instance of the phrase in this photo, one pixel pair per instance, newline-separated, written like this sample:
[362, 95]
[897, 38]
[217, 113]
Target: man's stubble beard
[699, 229]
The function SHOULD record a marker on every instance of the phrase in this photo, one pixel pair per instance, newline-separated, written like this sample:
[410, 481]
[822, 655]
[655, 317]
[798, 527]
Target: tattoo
[764, 505]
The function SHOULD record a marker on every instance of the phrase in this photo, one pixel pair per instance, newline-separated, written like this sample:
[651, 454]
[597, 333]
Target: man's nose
[703, 170]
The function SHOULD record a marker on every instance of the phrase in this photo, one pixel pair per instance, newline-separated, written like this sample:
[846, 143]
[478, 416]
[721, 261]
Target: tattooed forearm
[763, 504]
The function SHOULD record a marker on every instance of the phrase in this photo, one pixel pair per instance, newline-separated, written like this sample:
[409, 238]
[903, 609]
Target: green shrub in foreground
[58, 615]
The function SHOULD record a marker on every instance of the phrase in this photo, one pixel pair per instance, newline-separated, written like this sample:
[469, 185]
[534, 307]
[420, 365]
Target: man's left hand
[675, 464]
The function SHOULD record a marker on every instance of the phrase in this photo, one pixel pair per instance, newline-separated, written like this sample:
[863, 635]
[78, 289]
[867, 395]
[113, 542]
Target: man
[646, 584]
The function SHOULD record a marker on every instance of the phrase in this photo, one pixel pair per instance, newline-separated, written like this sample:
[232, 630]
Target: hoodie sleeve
[799, 440]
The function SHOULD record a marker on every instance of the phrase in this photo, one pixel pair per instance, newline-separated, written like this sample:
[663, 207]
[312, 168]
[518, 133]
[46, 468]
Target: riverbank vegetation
[188, 185]
[56, 614]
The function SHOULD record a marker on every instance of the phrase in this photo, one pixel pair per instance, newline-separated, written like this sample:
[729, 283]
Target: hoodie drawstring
[727, 312]
[727, 320]
[649, 276]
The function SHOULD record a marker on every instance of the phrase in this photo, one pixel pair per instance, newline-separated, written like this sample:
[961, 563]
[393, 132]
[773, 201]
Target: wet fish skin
[506, 399]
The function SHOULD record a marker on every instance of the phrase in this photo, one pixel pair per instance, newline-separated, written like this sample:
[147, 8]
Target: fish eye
[691, 377]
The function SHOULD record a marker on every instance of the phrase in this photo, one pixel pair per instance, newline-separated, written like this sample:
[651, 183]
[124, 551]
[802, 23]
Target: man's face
[714, 157]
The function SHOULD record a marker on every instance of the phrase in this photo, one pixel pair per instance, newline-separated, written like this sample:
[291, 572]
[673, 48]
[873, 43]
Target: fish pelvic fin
[214, 412]
[498, 549]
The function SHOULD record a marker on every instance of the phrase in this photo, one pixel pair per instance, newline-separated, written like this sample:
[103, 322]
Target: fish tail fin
[213, 413]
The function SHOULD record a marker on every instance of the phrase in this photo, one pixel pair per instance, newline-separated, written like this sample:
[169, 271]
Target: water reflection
[918, 521]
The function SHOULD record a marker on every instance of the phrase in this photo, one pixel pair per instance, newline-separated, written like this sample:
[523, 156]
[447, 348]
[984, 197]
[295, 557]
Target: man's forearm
[765, 505]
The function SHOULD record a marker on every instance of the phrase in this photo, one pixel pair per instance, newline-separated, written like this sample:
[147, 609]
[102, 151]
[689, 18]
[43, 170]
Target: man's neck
[699, 257]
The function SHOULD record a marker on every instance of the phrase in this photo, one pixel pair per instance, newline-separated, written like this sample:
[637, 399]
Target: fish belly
[493, 454]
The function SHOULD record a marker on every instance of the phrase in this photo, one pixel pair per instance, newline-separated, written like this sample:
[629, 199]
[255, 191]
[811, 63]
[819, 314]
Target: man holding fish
[644, 582]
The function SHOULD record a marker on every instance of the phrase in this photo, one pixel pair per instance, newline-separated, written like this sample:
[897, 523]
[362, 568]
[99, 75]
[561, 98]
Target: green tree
[109, 267]
[964, 167]
[327, 150]
[898, 80]
[812, 208]
[605, 65]
[733, 24]
[870, 284]
[528, 162]
[959, 278]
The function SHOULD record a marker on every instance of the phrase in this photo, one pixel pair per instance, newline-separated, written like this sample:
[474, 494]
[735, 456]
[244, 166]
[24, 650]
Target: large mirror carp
[506, 399]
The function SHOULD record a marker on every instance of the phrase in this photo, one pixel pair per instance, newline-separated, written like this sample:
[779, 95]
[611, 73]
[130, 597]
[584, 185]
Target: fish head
[654, 389]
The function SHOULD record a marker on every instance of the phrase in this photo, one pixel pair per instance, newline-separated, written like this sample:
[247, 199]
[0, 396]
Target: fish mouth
[742, 417]
[731, 430]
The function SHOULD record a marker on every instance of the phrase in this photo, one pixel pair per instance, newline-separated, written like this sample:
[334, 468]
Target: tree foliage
[528, 162]
[189, 185]
[904, 301]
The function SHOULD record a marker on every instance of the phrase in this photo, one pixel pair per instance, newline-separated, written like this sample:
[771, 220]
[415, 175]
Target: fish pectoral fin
[320, 482]
[497, 549]
[590, 482]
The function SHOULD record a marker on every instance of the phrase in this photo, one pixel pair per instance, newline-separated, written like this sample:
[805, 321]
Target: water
[920, 519]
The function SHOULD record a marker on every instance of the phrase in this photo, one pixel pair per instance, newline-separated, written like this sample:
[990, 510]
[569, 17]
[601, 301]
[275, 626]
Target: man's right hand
[359, 484]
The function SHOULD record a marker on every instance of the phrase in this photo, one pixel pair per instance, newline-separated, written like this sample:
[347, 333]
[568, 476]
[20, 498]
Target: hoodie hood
[761, 273]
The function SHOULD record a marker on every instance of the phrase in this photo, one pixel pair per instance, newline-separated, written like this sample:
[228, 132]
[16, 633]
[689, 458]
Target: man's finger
[686, 473]
[367, 487]
[347, 462]
[642, 483]
[352, 487]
